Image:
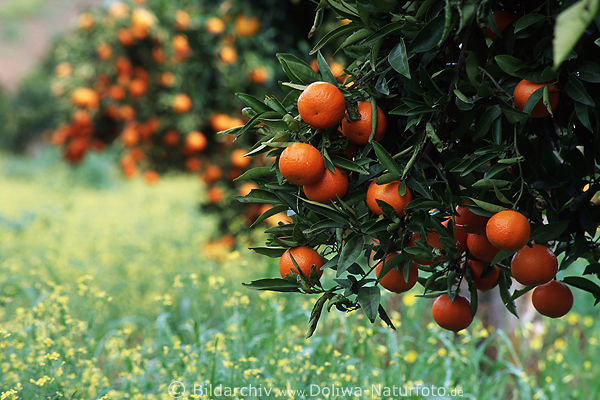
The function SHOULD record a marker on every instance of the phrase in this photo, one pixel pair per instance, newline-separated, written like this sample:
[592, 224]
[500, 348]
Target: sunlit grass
[105, 292]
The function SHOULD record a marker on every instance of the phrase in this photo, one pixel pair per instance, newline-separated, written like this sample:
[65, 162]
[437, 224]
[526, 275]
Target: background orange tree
[489, 106]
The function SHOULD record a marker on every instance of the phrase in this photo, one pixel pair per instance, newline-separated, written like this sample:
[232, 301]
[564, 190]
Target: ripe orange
[63, 70]
[182, 20]
[553, 299]
[151, 177]
[215, 25]
[166, 79]
[137, 87]
[238, 158]
[81, 119]
[301, 163]
[86, 21]
[116, 92]
[388, 193]
[123, 66]
[182, 103]
[222, 122]
[118, 10]
[171, 138]
[193, 164]
[331, 186]
[126, 112]
[468, 221]
[234, 173]
[487, 282]
[503, 20]
[525, 89]
[104, 51]
[508, 230]
[195, 142]
[215, 194]
[274, 220]
[534, 265]
[141, 19]
[130, 136]
[321, 105]
[228, 54]
[480, 247]
[76, 149]
[394, 280]
[246, 188]
[181, 47]
[212, 173]
[246, 26]
[337, 70]
[359, 131]
[258, 75]
[85, 97]
[305, 257]
[125, 37]
[158, 55]
[460, 237]
[453, 316]
[433, 239]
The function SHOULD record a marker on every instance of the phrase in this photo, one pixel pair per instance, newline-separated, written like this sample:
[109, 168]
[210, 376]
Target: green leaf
[583, 115]
[297, 69]
[275, 285]
[487, 206]
[256, 174]
[570, 25]
[527, 20]
[490, 183]
[355, 37]
[429, 36]
[504, 284]
[254, 103]
[270, 251]
[575, 89]
[583, 284]
[546, 233]
[386, 160]
[348, 165]
[325, 70]
[385, 317]
[316, 313]
[368, 298]
[423, 204]
[434, 138]
[352, 249]
[340, 31]
[399, 60]
[509, 64]
[259, 196]
[269, 213]
[588, 71]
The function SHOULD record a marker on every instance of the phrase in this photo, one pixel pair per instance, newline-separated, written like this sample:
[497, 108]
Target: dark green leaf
[316, 313]
[399, 60]
[276, 285]
[351, 250]
[386, 160]
[368, 298]
[429, 36]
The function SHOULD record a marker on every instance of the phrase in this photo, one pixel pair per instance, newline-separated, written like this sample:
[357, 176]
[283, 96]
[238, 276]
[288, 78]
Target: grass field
[107, 291]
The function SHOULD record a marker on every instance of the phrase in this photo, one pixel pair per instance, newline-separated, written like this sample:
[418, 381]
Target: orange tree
[460, 153]
[149, 76]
